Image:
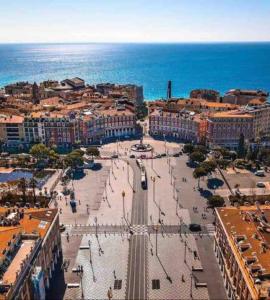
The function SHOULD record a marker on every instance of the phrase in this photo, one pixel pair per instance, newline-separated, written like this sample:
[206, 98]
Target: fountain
[141, 147]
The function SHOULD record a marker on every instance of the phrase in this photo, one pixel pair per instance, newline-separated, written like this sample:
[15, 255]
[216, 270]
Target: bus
[143, 179]
[139, 163]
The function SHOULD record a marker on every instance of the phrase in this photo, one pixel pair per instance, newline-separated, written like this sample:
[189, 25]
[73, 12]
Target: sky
[134, 20]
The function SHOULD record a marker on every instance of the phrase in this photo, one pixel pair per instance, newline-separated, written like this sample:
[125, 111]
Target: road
[137, 257]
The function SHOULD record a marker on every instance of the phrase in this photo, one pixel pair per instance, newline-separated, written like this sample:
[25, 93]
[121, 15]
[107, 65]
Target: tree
[241, 146]
[216, 201]
[74, 159]
[22, 188]
[198, 173]
[93, 151]
[188, 148]
[197, 156]
[33, 184]
[209, 166]
[223, 163]
[40, 152]
[201, 148]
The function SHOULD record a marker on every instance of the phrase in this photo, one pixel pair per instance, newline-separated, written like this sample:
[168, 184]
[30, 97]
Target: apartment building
[242, 246]
[225, 128]
[101, 125]
[12, 130]
[243, 97]
[180, 125]
[261, 113]
[30, 245]
[52, 128]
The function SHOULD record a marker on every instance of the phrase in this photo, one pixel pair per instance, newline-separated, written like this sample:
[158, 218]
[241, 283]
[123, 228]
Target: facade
[242, 97]
[30, 245]
[12, 130]
[209, 95]
[261, 114]
[225, 128]
[180, 125]
[242, 243]
[19, 88]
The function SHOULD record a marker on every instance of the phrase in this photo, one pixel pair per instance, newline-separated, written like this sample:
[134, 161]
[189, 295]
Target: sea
[218, 66]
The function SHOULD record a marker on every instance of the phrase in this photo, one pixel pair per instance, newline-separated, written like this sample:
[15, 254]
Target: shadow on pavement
[205, 193]
[214, 183]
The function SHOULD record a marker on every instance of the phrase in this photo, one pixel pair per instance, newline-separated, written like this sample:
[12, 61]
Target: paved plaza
[140, 244]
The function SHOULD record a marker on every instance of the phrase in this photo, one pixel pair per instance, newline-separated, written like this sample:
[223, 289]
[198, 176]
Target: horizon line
[134, 42]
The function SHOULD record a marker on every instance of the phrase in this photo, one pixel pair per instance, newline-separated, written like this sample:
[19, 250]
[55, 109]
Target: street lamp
[185, 252]
[90, 253]
[128, 171]
[152, 158]
[96, 226]
[191, 277]
[156, 228]
[123, 197]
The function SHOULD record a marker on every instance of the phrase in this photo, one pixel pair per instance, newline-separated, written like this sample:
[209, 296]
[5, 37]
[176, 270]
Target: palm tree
[33, 184]
[22, 188]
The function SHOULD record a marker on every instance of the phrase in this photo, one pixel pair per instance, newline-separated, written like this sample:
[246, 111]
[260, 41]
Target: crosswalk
[139, 229]
[210, 228]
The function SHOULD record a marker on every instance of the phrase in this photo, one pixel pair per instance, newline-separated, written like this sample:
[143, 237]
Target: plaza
[135, 243]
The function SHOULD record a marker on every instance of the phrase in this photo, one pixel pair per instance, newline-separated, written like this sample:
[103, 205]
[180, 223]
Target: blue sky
[134, 20]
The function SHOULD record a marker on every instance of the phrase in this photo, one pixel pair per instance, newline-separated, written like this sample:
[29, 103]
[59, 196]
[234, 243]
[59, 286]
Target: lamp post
[171, 174]
[123, 197]
[156, 228]
[152, 158]
[90, 253]
[128, 171]
[191, 277]
[185, 252]
[96, 226]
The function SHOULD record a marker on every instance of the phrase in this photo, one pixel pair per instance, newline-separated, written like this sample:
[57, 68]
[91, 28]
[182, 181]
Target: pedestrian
[183, 278]
[114, 275]
[67, 235]
[109, 293]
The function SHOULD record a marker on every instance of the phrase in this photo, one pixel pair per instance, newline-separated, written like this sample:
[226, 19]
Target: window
[117, 284]
[155, 284]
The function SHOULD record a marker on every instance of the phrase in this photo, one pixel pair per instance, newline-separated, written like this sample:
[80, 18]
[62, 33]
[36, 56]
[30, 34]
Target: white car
[260, 184]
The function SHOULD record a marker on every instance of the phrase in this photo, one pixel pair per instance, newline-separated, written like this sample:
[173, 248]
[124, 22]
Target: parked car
[195, 227]
[260, 184]
[163, 154]
[132, 156]
[176, 154]
[62, 227]
[259, 173]
[114, 156]
[157, 156]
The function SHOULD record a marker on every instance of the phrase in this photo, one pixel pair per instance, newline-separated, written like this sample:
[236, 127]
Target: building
[242, 97]
[50, 128]
[261, 113]
[131, 92]
[209, 95]
[177, 124]
[12, 130]
[225, 128]
[242, 246]
[19, 88]
[30, 245]
[75, 83]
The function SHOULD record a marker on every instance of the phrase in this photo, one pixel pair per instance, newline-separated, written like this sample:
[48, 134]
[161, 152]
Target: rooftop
[231, 114]
[248, 232]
